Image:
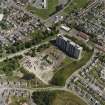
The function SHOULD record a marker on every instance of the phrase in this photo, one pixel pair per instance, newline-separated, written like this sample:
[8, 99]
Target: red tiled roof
[83, 35]
[100, 48]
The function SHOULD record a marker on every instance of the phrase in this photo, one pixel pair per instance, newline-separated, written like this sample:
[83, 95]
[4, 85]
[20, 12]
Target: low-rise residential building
[83, 36]
[65, 28]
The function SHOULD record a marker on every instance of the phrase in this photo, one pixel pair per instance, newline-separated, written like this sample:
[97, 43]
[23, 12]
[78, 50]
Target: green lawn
[44, 13]
[62, 74]
[64, 98]
[76, 5]
[56, 98]
[18, 100]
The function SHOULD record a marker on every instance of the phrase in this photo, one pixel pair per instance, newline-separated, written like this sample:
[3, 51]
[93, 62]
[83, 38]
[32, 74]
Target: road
[24, 51]
[48, 22]
[55, 88]
[45, 21]
[88, 8]
[31, 90]
[76, 74]
[77, 71]
[59, 88]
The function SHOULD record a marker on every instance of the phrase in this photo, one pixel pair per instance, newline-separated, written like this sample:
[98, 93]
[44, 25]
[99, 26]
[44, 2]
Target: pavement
[30, 90]
[77, 71]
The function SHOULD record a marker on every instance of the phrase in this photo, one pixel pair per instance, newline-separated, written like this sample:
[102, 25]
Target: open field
[56, 98]
[17, 100]
[69, 99]
[76, 5]
[71, 66]
[44, 13]
[43, 65]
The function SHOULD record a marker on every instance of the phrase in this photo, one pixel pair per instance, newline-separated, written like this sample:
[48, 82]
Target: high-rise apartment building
[68, 46]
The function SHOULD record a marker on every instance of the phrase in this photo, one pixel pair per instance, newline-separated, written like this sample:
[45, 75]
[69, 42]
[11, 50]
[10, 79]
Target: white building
[1, 17]
[65, 28]
[44, 3]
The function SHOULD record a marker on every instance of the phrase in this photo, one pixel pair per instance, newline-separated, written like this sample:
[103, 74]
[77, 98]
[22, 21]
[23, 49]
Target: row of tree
[36, 37]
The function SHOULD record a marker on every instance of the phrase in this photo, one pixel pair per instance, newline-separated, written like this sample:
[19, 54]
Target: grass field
[57, 98]
[71, 66]
[76, 5]
[17, 100]
[64, 98]
[44, 13]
